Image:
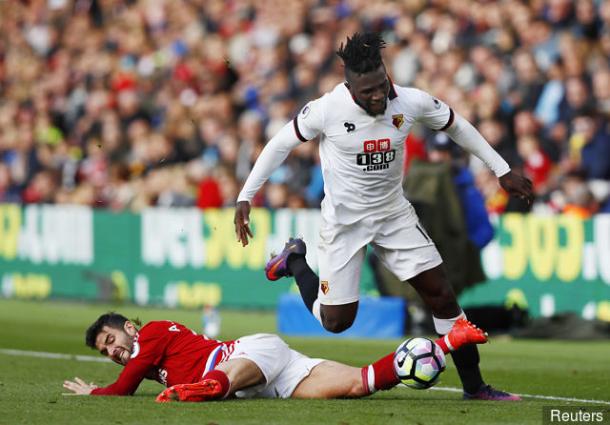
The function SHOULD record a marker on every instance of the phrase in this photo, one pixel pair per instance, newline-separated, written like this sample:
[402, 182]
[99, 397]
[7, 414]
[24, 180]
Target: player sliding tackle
[196, 368]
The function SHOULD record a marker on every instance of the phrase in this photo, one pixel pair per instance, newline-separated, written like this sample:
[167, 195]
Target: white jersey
[362, 156]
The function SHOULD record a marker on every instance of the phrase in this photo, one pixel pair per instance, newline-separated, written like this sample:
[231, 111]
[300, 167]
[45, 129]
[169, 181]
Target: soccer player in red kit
[196, 368]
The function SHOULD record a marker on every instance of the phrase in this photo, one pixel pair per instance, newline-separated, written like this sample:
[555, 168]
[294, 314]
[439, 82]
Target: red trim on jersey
[297, 131]
[450, 121]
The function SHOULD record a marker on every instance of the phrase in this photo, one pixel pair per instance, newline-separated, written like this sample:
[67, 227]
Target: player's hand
[518, 186]
[79, 387]
[242, 222]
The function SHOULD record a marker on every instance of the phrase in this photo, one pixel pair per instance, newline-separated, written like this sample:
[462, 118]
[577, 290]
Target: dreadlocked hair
[362, 52]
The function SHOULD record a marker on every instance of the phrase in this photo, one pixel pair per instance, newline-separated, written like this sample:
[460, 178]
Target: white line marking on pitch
[84, 358]
[59, 356]
[542, 397]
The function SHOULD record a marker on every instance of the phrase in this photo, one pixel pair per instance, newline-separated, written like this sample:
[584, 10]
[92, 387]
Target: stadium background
[128, 126]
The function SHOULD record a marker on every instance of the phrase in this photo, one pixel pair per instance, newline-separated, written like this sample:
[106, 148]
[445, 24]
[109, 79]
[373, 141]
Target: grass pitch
[31, 391]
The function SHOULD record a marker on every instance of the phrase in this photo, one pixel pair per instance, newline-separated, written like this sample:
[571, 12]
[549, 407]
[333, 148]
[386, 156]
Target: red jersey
[171, 354]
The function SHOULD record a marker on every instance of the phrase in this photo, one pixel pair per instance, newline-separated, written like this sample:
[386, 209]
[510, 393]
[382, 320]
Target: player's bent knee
[337, 325]
[337, 318]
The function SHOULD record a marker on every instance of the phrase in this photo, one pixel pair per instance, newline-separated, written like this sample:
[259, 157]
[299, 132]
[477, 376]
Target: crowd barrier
[189, 258]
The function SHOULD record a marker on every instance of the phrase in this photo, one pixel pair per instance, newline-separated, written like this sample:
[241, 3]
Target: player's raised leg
[291, 262]
[435, 289]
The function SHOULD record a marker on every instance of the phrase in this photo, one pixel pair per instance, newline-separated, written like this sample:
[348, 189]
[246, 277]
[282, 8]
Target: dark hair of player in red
[111, 319]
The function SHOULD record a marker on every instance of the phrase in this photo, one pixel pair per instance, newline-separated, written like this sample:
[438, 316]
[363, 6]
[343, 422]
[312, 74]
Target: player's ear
[130, 328]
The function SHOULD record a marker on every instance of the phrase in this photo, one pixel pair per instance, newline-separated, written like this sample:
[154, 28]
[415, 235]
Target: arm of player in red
[79, 387]
[126, 384]
[139, 366]
[128, 381]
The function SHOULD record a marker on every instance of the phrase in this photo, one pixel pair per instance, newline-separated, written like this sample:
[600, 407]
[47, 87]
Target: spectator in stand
[537, 165]
[8, 191]
[591, 140]
[601, 90]
[574, 197]
[528, 84]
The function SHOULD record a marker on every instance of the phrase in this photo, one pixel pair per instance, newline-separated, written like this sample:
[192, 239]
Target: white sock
[443, 326]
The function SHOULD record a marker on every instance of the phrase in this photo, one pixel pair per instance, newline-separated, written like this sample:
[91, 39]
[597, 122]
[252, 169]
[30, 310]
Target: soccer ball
[418, 363]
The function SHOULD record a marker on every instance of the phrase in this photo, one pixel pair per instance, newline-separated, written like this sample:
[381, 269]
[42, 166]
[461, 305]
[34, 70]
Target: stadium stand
[125, 104]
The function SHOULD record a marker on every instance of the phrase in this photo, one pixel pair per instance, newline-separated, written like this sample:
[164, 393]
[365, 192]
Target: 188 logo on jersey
[377, 155]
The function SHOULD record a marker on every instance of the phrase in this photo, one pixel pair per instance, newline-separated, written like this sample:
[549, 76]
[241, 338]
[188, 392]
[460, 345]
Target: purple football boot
[277, 267]
[487, 392]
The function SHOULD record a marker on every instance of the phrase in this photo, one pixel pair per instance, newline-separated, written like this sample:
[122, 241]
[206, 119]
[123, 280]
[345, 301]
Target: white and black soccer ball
[418, 363]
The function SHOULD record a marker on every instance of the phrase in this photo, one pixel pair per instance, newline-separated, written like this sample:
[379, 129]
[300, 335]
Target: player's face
[116, 344]
[370, 89]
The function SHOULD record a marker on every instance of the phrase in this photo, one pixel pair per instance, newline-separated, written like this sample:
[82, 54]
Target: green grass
[31, 392]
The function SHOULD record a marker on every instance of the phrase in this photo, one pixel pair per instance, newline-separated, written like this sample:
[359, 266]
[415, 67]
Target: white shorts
[282, 367]
[399, 241]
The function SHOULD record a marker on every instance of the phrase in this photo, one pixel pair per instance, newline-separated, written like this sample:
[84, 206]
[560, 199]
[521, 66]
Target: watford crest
[324, 286]
[398, 120]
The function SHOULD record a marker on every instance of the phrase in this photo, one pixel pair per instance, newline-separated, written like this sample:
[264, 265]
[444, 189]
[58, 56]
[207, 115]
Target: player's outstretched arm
[272, 156]
[242, 222]
[79, 387]
[468, 137]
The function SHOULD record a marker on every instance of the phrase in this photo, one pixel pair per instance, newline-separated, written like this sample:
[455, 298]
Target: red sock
[443, 344]
[222, 378]
[380, 375]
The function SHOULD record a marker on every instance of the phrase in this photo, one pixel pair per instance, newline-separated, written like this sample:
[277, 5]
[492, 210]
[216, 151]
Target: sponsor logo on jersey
[377, 155]
[398, 120]
[349, 126]
[305, 111]
[437, 104]
[324, 286]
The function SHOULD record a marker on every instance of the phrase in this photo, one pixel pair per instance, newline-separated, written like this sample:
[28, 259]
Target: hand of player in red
[242, 222]
[79, 387]
[518, 186]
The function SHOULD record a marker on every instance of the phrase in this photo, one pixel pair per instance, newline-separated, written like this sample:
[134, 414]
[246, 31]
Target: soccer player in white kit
[363, 124]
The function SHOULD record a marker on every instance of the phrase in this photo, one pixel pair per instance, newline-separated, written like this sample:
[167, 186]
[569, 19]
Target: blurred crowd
[126, 104]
